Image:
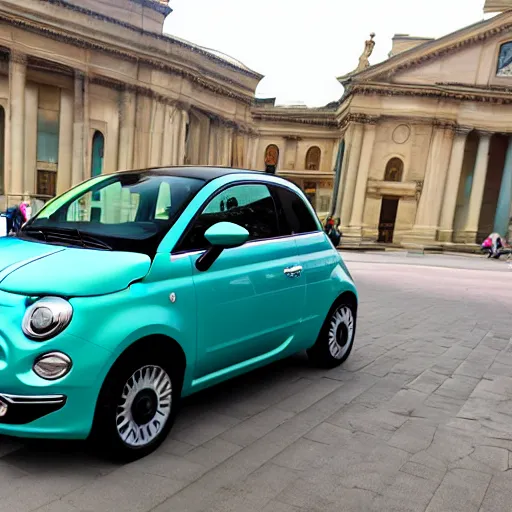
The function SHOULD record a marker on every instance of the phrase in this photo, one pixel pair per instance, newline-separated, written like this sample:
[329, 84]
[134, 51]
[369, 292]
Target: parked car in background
[134, 289]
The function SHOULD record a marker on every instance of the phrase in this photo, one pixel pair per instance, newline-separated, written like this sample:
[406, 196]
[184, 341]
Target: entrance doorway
[387, 219]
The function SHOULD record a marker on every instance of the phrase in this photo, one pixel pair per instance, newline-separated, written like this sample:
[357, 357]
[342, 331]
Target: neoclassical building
[92, 86]
[424, 154]
[417, 151]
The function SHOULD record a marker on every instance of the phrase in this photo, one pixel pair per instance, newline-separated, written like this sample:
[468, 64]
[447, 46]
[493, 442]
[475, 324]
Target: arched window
[98, 151]
[2, 149]
[394, 170]
[271, 158]
[504, 67]
[313, 159]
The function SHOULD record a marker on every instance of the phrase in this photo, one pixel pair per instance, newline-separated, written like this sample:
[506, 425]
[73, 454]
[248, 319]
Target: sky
[302, 46]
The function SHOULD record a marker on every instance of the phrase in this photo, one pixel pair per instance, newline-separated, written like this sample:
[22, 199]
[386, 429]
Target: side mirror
[223, 235]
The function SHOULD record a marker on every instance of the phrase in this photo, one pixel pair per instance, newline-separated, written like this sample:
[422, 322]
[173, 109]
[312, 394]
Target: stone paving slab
[418, 419]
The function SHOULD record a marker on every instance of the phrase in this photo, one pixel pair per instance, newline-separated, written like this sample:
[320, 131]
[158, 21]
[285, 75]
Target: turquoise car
[137, 288]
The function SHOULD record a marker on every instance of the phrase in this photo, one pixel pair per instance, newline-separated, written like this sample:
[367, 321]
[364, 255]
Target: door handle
[293, 271]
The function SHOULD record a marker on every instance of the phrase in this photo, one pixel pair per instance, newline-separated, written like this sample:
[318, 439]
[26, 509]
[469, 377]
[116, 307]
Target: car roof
[204, 173]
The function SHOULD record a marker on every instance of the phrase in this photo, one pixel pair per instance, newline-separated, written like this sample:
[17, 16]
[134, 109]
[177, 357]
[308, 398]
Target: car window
[163, 202]
[111, 205]
[294, 216]
[250, 206]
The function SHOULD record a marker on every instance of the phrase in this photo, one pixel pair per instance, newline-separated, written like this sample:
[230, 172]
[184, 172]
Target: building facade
[425, 136]
[416, 151]
[93, 86]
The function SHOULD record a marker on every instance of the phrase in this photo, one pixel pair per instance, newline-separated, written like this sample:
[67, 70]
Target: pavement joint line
[273, 457]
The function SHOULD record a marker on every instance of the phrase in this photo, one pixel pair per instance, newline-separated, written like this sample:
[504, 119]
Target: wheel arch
[346, 296]
[158, 343]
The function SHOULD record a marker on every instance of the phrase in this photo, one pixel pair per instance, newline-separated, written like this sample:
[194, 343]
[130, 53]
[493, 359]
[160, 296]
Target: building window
[47, 149]
[271, 158]
[46, 183]
[48, 136]
[98, 151]
[505, 60]
[313, 159]
[394, 170]
[2, 150]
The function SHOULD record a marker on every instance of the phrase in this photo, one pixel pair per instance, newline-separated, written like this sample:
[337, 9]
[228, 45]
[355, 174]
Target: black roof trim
[203, 173]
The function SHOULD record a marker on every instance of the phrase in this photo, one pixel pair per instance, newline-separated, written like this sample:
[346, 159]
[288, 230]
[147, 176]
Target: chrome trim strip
[180, 255]
[33, 400]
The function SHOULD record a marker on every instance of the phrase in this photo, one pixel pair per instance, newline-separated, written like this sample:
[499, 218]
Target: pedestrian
[332, 230]
[493, 243]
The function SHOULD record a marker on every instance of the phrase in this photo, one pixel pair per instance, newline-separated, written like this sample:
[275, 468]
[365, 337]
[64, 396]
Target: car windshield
[129, 211]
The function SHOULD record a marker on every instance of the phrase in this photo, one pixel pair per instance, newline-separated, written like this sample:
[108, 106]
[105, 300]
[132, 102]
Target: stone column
[168, 137]
[225, 156]
[17, 76]
[254, 152]
[452, 185]
[65, 141]
[30, 160]
[175, 134]
[502, 216]
[182, 137]
[296, 157]
[127, 130]
[356, 220]
[213, 143]
[229, 145]
[156, 133]
[429, 206]
[350, 166]
[252, 142]
[477, 188]
[77, 168]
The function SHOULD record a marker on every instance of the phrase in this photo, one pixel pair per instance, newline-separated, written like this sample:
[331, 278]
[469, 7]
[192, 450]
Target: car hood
[33, 268]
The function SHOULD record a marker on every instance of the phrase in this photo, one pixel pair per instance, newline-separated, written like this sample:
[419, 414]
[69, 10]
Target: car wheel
[136, 407]
[336, 338]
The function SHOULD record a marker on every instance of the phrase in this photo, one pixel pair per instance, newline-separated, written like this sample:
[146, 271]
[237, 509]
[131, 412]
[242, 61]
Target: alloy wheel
[341, 332]
[144, 407]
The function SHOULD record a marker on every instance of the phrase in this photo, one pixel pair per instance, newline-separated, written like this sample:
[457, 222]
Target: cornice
[480, 96]
[312, 118]
[77, 41]
[154, 35]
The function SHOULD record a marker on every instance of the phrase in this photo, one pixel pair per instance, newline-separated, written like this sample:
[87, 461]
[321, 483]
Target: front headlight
[46, 318]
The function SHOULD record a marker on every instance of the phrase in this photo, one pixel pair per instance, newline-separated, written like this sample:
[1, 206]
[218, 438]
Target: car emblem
[172, 297]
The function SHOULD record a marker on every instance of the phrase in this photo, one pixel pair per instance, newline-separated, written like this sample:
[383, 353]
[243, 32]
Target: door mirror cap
[226, 235]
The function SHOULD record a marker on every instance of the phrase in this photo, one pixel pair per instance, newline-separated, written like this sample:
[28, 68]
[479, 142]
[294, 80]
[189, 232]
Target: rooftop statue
[364, 63]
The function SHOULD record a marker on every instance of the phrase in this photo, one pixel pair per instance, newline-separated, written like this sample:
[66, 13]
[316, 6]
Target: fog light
[52, 366]
[3, 409]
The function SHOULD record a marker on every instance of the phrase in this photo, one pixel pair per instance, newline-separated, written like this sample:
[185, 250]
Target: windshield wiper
[29, 229]
[53, 233]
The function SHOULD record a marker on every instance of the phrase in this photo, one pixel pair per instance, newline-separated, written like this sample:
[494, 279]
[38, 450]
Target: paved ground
[419, 418]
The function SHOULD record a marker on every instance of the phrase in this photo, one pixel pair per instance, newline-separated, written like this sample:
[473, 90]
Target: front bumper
[23, 409]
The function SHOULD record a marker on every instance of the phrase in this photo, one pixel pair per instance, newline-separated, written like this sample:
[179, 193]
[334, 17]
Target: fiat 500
[137, 288]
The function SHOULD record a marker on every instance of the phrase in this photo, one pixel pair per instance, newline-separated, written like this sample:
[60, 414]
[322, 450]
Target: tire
[336, 338]
[136, 406]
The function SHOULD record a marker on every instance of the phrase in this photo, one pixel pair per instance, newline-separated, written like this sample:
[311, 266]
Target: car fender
[116, 322]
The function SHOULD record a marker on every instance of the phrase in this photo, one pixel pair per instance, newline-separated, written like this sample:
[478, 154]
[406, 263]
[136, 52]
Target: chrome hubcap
[341, 332]
[145, 406]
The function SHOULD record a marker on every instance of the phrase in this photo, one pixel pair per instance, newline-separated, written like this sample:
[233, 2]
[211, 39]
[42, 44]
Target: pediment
[455, 58]
[497, 5]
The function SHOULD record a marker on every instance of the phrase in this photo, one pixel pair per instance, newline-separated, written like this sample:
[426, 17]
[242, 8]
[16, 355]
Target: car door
[316, 256]
[249, 301]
